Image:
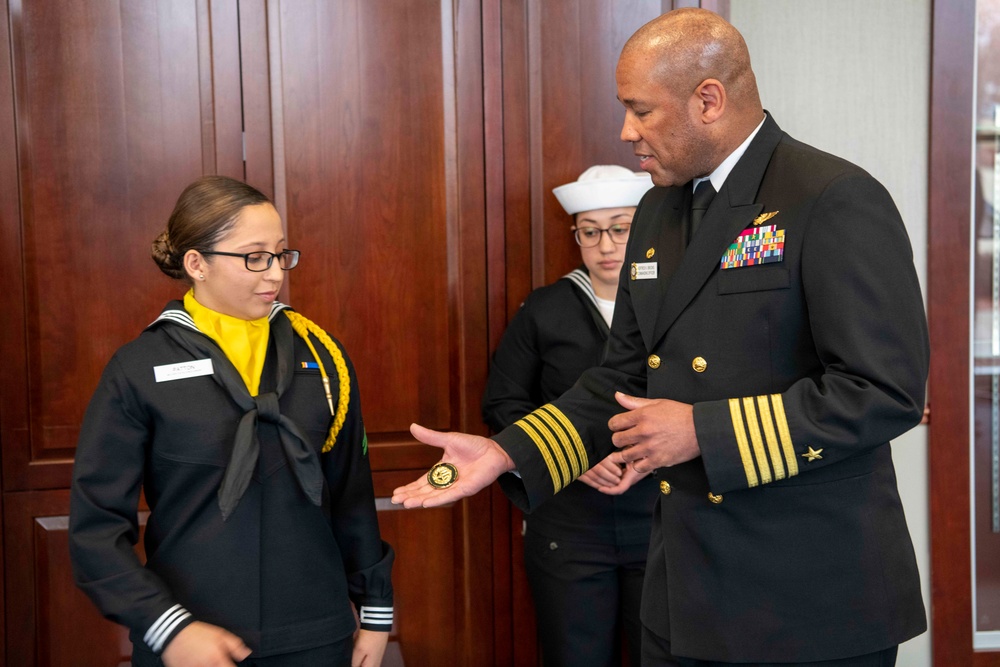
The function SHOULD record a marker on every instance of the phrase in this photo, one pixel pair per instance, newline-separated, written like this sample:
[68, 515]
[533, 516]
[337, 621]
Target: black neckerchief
[246, 445]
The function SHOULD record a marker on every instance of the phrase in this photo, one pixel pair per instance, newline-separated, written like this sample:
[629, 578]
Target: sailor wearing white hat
[589, 542]
[602, 201]
[603, 186]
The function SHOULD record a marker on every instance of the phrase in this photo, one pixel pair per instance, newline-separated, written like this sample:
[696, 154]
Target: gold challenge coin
[442, 475]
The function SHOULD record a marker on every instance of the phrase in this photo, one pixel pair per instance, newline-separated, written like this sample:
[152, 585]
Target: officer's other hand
[605, 474]
[628, 480]
[479, 462]
[653, 433]
[204, 645]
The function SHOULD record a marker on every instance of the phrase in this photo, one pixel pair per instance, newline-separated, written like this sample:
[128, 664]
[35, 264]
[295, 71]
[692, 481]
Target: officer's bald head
[684, 47]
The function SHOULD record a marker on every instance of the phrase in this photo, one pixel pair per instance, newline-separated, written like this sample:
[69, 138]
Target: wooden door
[378, 162]
[109, 110]
[962, 232]
[114, 113]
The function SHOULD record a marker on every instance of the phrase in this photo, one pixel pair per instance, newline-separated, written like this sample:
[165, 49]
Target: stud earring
[201, 276]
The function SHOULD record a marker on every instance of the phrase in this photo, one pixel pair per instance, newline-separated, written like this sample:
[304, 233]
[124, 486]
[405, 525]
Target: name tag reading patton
[643, 270]
[185, 369]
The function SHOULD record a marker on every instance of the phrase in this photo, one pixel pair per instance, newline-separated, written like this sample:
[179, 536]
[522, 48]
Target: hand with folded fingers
[653, 433]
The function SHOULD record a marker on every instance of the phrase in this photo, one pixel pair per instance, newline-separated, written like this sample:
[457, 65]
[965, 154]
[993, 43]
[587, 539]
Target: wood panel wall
[411, 147]
[105, 139]
[950, 214]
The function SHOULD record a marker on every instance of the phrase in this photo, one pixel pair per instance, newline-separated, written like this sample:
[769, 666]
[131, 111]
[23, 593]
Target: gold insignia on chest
[763, 217]
[650, 253]
[813, 454]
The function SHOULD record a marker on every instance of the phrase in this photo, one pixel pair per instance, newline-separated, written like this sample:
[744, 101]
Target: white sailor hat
[603, 186]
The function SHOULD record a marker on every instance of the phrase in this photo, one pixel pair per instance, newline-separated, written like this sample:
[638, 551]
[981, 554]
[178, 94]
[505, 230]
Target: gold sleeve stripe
[581, 451]
[741, 441]
[758, 443]
[557, 482]
[543, 422]
[561, 446]
[771, 437]
[786, 436]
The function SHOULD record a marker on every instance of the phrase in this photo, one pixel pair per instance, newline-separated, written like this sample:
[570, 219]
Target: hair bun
[164, 256]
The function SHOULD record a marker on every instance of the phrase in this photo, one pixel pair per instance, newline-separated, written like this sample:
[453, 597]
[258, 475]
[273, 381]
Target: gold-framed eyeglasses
[261, 260]
[589, 236]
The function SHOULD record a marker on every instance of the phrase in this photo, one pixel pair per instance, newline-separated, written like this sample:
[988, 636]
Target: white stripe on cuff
[164, 625]
[376, 615]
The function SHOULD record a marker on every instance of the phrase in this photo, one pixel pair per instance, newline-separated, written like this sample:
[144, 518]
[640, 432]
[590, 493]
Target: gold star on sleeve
[813, 454]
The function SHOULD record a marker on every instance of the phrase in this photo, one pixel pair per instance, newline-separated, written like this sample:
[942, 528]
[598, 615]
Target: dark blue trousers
[656, 653]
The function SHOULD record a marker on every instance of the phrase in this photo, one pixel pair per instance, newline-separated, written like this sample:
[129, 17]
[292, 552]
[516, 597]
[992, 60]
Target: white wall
[852, 77]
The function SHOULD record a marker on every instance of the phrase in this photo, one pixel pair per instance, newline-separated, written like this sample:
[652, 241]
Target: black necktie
[703, 195]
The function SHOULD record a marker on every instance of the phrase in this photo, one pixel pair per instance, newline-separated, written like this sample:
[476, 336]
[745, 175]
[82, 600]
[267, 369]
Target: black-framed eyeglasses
[588, 237]
[261, 260]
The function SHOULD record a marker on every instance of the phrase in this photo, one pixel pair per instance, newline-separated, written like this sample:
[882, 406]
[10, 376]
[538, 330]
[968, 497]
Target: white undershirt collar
[721, 173]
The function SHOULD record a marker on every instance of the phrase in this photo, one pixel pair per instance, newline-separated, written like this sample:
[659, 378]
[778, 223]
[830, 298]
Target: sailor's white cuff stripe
[376, 615]
[164, 625]
[167, 632]
[155, 627]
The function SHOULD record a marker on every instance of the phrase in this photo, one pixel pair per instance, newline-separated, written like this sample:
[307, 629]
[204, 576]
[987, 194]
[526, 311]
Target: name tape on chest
[185, 369]
[643, 271]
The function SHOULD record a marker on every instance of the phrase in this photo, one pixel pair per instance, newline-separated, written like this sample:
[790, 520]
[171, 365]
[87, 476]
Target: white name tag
[186, 369]
[643, 270]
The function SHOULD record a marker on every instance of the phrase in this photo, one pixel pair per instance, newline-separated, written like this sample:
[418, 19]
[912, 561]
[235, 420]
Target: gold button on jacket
[665, 487]
[714, 498]
[653, 361]
[699, 364]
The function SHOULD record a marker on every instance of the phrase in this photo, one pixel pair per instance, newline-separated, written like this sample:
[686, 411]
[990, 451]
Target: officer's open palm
[478, 460]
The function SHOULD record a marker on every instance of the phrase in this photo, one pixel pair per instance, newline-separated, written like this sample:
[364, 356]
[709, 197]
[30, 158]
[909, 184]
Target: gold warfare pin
[764, 217]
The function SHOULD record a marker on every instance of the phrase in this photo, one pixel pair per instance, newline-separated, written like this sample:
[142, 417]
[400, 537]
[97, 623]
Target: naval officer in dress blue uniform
[769, 341]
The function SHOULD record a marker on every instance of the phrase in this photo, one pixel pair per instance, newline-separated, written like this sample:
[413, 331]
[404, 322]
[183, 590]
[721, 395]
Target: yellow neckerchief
[244, 342]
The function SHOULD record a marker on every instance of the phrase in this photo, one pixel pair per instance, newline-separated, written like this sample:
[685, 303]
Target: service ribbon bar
[755, 245]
